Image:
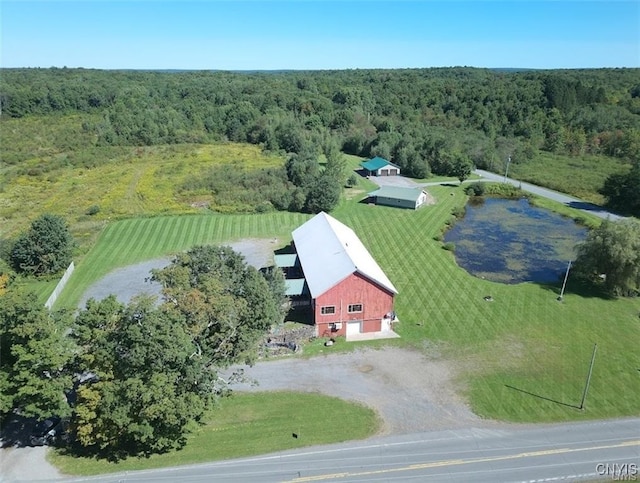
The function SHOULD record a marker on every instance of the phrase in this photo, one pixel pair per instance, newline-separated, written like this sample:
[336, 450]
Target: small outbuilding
[380, 167]
[411, 198]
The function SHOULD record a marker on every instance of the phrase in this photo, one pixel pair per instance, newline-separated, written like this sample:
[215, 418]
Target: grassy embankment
[246, 425]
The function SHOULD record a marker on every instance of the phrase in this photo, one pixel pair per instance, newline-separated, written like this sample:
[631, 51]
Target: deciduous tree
[623, 191]
[34, 355]
[611, 254]
[150, 386]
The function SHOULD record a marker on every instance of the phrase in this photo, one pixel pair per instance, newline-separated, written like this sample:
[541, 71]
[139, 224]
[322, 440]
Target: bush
[475, 189]
[93, 210]
[352, 180]
[458, 212]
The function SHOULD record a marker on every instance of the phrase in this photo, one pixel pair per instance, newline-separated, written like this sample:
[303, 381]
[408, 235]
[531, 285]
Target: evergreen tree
[46, 248]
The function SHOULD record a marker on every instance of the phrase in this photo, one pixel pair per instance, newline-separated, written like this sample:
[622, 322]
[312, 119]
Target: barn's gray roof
[398, 193]
[330, 251]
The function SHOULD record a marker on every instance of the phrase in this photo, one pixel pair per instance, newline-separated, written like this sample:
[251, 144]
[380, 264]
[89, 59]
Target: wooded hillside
[409, 116]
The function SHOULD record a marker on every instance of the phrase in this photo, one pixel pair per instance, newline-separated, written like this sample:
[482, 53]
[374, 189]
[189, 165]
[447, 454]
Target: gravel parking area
[130, 281]
[410, 392]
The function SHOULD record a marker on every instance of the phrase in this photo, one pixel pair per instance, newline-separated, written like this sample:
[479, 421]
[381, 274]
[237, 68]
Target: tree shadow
[301, 315]
[544, 398]
[16, 431]
[579, 286]
[584, 205]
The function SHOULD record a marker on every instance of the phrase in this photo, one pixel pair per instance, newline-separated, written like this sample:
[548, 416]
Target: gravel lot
[129, 281]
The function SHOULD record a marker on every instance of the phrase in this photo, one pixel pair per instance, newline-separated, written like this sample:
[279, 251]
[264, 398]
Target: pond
[511, 241]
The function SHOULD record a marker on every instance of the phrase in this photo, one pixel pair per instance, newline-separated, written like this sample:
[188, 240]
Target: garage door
[384, 172]
[354, 327]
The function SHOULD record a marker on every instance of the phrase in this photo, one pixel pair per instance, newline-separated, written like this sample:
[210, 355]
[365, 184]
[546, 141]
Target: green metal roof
[286, 260]
[398, 193]
[376, 163]
[294, 286]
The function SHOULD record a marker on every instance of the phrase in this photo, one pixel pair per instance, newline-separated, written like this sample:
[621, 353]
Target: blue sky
[306, 34]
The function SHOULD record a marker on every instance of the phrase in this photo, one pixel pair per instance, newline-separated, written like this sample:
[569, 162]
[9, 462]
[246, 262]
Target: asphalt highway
[602, 450]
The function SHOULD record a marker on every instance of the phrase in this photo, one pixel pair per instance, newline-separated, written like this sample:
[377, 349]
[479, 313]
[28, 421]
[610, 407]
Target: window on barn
[328, 310]
[355, 308]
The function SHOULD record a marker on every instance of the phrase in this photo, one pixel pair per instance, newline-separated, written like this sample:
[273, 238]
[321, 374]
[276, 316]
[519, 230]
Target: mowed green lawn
[130, 241]
[522, 357]
[246, 425]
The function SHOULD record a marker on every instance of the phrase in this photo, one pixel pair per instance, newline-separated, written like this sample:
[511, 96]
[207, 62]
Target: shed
[411, 198]
[380, 167]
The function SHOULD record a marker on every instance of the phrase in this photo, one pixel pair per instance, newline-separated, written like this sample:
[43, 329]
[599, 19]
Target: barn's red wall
[355, 289]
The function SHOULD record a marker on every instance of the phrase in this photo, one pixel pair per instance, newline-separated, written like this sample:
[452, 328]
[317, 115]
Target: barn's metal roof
[285, 260]
[398, 193]
[376, 163]
[330, 251]
[294, 286]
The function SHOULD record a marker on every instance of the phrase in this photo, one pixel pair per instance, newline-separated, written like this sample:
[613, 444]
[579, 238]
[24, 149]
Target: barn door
[354, 327]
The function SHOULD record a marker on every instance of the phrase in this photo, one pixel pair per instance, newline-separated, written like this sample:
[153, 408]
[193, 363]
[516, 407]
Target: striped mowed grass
[131, 241]
[522, 357]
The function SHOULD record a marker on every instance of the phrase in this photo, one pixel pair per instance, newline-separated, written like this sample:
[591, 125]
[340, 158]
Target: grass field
[522, 357]
[580, 176]
[246, 425]
[125, 182]
[525, 339]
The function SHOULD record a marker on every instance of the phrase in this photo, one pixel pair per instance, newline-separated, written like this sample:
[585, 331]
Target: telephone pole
[586, 386]
[564, 284]
[506, 172]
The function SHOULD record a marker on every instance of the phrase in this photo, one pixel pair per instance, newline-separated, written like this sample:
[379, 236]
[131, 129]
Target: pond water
[511, 241]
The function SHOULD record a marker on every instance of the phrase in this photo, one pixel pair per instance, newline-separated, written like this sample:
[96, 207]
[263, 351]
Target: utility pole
[586, 386]
[506, 173]
[564, 284]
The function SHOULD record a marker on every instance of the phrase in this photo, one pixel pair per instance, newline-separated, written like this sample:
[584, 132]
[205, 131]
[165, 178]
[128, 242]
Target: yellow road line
[457, 462]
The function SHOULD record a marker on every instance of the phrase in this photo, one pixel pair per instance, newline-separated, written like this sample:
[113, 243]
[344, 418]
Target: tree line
[136, 378]
[424, 120]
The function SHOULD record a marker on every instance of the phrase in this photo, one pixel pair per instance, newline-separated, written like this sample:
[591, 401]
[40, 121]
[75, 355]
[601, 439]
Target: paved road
[569, 452]
[553, 195]
[488, 176]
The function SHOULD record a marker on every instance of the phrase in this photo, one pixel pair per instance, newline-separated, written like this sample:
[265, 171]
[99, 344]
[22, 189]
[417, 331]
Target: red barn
[350, 294]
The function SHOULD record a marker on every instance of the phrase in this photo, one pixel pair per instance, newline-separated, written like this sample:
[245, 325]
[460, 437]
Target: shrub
[458, 212]
[93, 210]
[475, 189]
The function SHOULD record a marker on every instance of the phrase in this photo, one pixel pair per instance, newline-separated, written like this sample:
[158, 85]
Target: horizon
[310, 35]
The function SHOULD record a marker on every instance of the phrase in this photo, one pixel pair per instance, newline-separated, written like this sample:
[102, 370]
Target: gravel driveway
[410, 392]
[129, 281]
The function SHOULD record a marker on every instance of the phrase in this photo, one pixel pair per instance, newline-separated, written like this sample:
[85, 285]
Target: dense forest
[417, 118]
[427, 121]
